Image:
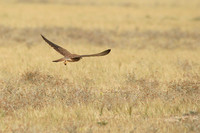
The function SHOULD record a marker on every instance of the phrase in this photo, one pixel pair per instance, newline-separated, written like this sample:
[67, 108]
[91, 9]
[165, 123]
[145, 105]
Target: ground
[150, 82]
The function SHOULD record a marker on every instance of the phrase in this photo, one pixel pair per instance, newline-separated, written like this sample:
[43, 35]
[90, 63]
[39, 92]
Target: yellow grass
[150, 82]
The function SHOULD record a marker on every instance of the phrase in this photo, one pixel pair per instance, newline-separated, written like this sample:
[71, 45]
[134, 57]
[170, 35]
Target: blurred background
[139, 24]
[150, 82]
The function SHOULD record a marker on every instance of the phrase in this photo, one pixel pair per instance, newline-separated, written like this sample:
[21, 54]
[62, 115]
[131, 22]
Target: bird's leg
[65, 63]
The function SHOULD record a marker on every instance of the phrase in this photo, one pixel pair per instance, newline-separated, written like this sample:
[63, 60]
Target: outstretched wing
[98, 54]
[59, 49]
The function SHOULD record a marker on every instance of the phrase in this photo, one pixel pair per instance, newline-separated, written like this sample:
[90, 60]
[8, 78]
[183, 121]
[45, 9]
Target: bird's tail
[58, 60]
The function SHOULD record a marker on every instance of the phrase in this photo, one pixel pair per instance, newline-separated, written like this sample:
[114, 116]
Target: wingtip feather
[42, 36]
[108, 51]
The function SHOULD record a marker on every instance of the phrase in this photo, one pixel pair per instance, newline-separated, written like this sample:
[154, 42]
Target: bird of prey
[71, 57]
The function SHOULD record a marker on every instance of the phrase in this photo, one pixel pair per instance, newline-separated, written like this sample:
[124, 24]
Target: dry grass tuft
[38, 78]
[186, 87]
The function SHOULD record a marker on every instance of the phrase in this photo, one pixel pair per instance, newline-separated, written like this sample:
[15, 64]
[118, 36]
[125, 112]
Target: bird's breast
[73, 59]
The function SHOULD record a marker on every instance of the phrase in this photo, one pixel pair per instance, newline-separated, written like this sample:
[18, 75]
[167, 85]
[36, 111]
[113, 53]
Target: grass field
[150, 82]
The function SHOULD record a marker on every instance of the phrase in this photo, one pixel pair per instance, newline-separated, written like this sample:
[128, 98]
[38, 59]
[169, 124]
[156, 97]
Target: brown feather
[98, 54]
[59, 49]
[58, 60]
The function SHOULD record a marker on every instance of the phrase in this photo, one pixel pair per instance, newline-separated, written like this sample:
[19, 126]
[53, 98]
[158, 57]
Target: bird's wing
[98, 54]
[59, 49]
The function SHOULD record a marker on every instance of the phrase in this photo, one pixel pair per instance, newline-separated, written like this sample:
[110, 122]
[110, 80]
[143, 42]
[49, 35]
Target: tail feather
[58, 60]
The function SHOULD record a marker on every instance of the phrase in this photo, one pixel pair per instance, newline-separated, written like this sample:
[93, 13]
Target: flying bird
[71, 57]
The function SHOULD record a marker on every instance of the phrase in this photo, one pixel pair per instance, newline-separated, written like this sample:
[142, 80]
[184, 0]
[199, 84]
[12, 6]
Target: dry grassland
[150, 82]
